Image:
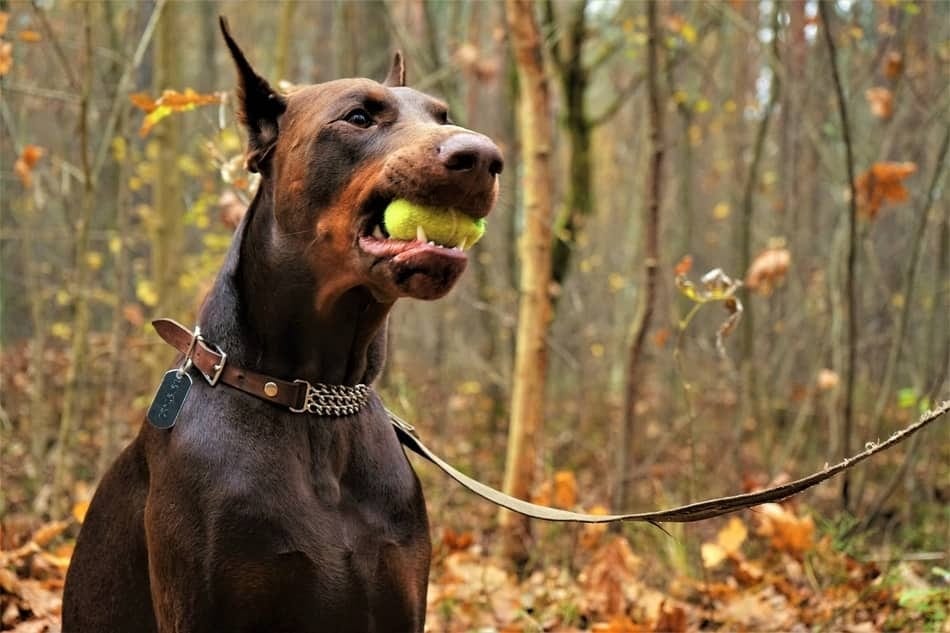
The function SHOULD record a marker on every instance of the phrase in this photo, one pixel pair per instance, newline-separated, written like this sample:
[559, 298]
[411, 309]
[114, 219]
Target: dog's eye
[442, 116]
[359, 117]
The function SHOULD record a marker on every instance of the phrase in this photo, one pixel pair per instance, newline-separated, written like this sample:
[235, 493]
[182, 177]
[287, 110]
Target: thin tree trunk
[285, 27]
[167, 198]
[641, 323]
[75, 374]
[847, 428]
[527, 409]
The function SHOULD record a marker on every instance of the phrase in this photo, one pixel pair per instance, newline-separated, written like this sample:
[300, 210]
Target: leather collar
[299, 396]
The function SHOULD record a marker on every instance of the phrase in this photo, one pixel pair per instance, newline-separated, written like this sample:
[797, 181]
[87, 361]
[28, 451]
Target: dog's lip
[401, 251]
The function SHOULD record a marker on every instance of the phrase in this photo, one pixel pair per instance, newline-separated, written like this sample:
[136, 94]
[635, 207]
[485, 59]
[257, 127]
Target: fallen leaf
[787, 531]
[565, 489]
[48, 532]
[4, 19]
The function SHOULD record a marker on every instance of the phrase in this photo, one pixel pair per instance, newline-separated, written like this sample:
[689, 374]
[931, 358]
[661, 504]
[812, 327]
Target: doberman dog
[246, 517]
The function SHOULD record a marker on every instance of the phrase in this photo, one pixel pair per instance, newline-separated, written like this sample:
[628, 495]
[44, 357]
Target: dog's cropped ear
[397, 74]
[259, 106]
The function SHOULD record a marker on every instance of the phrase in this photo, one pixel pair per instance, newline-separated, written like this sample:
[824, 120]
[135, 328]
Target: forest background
[800, 147]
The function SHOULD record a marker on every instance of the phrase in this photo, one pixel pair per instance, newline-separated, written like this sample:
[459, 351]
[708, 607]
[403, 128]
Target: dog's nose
[471, 152]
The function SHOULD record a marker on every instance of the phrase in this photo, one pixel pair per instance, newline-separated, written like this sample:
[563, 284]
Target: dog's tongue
[406, 220]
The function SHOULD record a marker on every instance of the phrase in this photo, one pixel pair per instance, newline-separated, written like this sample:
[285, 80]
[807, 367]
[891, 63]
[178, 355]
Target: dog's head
[333, 155]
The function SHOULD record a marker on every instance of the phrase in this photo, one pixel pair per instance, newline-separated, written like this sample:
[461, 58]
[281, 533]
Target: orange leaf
[27, 35]
[4, 18]
[892, 65]
[881, 101]
[142, 101]
[79, 510]
[23, 167]
[883, 182]
[48, 532]
[660, 337]
[788, 532]
[6, 57]
[768, 269]
[683, 266]
[565, 489]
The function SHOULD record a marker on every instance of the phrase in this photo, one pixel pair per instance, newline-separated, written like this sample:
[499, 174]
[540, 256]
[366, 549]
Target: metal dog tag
[168, 400]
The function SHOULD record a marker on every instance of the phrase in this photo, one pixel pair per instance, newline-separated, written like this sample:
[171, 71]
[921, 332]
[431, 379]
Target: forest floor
[769, 569]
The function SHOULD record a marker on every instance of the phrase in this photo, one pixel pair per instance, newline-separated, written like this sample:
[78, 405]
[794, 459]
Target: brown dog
[246, 516]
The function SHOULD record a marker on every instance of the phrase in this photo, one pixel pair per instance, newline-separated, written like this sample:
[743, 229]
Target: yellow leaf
[596, 350]
[115, 244]
[616, 282]
[145, 291]
[688, 33]
[701, 106]
[79, 510]
[94, 260]
[61, 330]
[731, 537]
[712, 555]
[722, 210]
[470, 387]
[119, 148]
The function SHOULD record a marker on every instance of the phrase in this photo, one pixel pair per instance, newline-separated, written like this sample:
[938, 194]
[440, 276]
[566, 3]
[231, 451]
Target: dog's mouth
[419, 267]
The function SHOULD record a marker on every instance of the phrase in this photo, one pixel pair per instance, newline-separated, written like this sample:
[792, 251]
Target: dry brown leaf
[591, 532]
[48, 532]
[883, 182]
[787, 531]
[610, 578]
[892, 65]
[768, 269]
[672, 617]
[881, 101]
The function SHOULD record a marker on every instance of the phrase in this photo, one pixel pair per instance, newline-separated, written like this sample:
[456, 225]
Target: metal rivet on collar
[270, 389]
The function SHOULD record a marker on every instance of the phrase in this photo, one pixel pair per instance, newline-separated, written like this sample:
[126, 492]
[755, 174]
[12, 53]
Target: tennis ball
[406, 220]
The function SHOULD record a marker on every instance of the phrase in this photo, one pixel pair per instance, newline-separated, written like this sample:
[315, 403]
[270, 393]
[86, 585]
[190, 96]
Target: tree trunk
[167, 198]
[641, 323]
[527, 409]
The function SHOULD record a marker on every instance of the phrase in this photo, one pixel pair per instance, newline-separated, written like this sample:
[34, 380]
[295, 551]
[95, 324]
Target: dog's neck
[262, 310]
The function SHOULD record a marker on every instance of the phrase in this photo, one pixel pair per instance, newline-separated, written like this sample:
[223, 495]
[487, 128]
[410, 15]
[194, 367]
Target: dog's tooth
[378, 232]
[421, 234]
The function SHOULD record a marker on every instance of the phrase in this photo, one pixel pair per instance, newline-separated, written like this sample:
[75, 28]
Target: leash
[300, 396]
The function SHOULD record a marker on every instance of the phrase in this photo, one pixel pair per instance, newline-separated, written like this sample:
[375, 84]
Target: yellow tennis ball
[406, 220]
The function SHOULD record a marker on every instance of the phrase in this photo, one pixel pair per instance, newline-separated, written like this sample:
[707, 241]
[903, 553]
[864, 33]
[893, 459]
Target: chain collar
[333, 400]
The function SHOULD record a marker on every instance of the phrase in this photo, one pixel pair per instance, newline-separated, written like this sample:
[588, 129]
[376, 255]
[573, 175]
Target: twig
[117, 101]
[850, 290]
